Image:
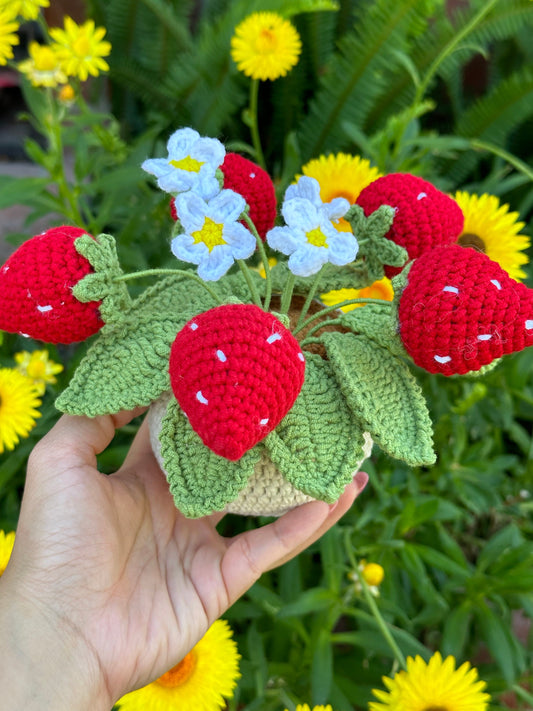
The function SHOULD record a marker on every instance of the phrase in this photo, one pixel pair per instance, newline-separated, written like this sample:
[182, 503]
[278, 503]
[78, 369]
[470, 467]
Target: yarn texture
[424, 216]
[235, 371]
[36, 284]
[460, 311]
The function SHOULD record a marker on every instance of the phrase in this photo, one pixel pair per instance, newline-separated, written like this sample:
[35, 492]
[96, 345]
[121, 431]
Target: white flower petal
[210, 151]
[307, 260]
[183, 247]
[309, 189]
[337, 208]
[343, 248]
[205, 184]
[216, 264]
[300, 213]
[227, 206]
[156, 166]
[285, 239]
[242, 242]
[191, 210]
[180, 143]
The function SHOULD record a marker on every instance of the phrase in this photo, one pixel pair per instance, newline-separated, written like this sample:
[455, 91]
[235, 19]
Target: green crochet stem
[286, 294]
[336, 307]
[384, 629]
[264, 259]
[314, 329]
[245, 269]
[310, 296]
[167, 272]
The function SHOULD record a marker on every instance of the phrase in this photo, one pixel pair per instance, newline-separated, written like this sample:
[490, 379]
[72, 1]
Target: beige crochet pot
[267, 492]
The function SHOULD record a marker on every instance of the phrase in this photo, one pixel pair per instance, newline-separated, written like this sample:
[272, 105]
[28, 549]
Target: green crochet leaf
[102, 284]
[127, 366]
[319, 443]
[200, 481]
[382, 392]
[376, 321]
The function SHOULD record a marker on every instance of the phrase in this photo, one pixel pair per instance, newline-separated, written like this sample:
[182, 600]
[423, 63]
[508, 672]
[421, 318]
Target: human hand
[109, 585]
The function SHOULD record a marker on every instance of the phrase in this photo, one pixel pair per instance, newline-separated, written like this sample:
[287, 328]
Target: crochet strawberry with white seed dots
[236, 371]
[424, 216]
[36, 284]
[460, 311]
[254, 184]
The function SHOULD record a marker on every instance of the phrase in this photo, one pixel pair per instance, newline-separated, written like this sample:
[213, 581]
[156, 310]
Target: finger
[76, 440]
[253, 552]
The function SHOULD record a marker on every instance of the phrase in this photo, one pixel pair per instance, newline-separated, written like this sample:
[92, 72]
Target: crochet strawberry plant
[260, 397]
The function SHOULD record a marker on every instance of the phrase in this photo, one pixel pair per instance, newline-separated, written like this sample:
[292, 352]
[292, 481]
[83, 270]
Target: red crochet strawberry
[235, 371]
[254, 184]
[424, 216]
[460, 311]
[36, 289]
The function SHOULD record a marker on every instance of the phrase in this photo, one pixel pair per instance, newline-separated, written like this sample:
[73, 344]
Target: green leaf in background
[322, 667]
[456, 630]
[381, 391]
[319, 444]
[200, 481]
[127, 366]
[503, 647]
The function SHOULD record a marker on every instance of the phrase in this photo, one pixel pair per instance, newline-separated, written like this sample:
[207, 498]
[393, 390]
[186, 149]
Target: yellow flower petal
[18, 407]
[7, 541]
[80, 48]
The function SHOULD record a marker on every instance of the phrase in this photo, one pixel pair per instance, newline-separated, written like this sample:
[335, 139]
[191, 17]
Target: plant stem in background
[245, 269]
[253, 123]
[398, 654]
[286, 294]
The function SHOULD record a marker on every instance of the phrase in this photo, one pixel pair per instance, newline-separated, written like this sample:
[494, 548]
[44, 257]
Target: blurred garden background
[439, 88]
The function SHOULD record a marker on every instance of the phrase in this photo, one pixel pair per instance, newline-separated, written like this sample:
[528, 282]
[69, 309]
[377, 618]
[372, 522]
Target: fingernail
[361, 479]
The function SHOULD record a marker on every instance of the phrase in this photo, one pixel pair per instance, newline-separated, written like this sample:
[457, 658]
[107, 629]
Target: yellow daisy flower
[381, 289]
[6, 547]
[492, 229]
[18, 407]
[201, 681]
[341, 175]
[38, 367]
[265, 46]
[305, 707]
[67, 94]
[81, 48]
[8, 38]
[433, 685]
[42, 67]
[28, 9]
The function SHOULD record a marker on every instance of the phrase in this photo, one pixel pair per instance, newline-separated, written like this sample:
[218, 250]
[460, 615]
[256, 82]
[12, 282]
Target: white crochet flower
[191, 164]
[213, 238]
[310, 237]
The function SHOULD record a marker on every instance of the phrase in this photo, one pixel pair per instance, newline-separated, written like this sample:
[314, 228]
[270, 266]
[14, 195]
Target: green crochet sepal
[200, 481]
[381, 391]
[377, 322]
[102, 284]
[374, 248]
[127, 366]
[318, 445]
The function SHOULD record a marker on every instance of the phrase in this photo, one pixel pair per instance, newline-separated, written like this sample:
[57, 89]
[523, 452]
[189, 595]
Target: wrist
[46, 663]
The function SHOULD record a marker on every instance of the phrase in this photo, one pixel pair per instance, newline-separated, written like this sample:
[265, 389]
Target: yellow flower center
[81, 46]
[46, 61]
[210, 234]
[189, 164]
[178, 675]
[468, 239]
[317, 238]
[36, 369]
[266, 41]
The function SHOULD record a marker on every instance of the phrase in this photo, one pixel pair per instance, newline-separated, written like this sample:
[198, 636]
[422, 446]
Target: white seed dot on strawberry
[252, 175]
[44, 309]
[484, 337]
[442, 359]
[496, 284]
[301, 356]
[274, 337]
[529, 324]
[264, 421]
[193, 326]
[200, 397]
[421, 196]
[451, 289]
[221, 356]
